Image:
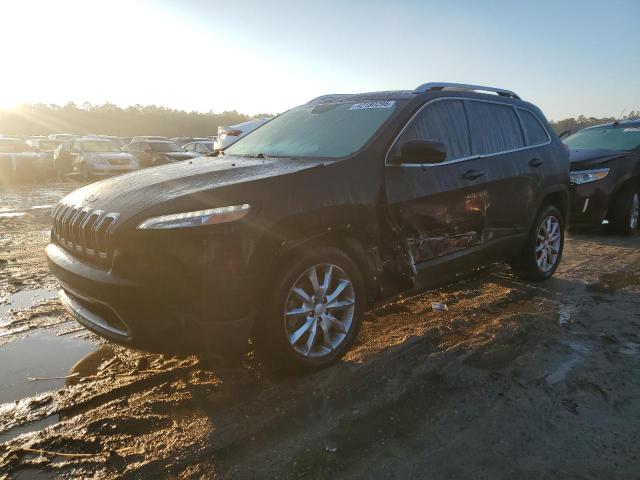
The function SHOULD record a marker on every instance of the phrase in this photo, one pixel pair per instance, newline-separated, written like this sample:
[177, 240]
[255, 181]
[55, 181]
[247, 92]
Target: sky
[260, 56]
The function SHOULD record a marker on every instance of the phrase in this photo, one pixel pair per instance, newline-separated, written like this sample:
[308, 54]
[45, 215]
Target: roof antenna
[617, 122]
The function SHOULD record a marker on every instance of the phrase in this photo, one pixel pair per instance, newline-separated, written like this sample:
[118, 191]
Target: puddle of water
[29, 427]
[630, 348]
[564, 314]
[43, 354]
[578, 351]
[22, 300]
[612, 282]
[11, 213]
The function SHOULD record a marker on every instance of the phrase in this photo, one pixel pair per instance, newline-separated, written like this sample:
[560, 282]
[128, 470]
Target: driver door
[439, 208]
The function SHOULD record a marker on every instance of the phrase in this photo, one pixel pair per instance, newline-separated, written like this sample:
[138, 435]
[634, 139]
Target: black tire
[625, 206]
[526, 265]
[270, 336]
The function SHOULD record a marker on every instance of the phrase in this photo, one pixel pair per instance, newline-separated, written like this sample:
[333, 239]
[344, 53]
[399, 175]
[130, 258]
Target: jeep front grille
[83, 230]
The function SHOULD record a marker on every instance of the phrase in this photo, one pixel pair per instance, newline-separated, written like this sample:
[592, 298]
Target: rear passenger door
[498, 139]
[440, 208]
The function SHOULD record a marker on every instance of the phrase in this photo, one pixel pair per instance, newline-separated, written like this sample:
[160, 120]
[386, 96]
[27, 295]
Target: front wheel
[542, 252]
[313, 313]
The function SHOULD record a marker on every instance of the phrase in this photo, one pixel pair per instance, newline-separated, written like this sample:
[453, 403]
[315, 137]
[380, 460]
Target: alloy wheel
[319, 310]
[548, 243]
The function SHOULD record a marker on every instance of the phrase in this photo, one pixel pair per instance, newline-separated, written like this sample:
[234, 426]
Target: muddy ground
[512, 380]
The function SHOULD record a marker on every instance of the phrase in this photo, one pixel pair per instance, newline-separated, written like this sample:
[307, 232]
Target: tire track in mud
[423, 342]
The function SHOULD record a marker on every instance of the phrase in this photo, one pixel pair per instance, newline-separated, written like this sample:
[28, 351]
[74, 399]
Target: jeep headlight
[210, 216]
[585, 176]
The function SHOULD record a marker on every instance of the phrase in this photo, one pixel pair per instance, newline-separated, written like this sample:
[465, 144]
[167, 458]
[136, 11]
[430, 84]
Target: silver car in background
[95, 157]
[44, 147]
[201, 147]
[17, 159]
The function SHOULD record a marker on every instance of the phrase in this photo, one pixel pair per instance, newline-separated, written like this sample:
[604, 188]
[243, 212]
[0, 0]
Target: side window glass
[444, 121]
[535, 132]
[495, 128]
[201, 148]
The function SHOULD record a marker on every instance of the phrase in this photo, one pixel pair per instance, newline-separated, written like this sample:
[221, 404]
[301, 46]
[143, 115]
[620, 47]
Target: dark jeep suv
[605, 176]
[295, 230]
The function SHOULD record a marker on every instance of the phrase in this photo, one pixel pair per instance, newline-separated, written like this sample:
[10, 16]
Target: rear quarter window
[495, 128]
[533, 129]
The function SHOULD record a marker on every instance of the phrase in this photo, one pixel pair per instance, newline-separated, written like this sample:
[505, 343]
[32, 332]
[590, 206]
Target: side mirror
[421, 151]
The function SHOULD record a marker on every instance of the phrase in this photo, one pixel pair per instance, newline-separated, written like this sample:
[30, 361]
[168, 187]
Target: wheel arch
[349, 240]
[559, 198]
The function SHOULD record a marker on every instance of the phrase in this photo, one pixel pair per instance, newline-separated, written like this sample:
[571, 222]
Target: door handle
[536, 162]
[472, 174]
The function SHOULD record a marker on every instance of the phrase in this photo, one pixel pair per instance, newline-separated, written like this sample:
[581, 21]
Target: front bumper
[142, 315]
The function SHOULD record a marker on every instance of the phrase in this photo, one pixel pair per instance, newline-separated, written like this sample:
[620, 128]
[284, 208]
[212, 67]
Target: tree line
[575, 124]
[109, 119]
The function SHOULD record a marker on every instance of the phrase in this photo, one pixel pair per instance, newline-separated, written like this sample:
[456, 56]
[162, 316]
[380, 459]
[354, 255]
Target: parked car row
[94, 156]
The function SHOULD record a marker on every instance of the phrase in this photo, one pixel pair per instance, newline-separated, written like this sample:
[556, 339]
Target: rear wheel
[542, 252]
[314, 312]
[625, 211]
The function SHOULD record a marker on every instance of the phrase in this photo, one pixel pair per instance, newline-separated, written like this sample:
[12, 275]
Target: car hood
[582, 159]
[204, 182]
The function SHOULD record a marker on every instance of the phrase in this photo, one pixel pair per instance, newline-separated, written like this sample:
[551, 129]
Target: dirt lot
[512, 380]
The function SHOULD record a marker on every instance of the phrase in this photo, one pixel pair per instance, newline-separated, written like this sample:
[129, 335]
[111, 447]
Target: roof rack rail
[463, 86]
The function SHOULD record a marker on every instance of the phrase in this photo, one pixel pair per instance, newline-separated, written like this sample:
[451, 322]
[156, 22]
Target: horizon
[264, 58]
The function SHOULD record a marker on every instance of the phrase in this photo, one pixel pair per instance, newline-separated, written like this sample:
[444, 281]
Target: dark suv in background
[605, 176]
[292, 233]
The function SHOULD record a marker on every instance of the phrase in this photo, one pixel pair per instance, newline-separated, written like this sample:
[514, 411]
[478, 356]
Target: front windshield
[611, 138]
[332, 130]
[100, 147]
[165, 147]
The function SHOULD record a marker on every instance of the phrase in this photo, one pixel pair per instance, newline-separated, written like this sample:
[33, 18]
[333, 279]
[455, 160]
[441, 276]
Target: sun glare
[111, 55]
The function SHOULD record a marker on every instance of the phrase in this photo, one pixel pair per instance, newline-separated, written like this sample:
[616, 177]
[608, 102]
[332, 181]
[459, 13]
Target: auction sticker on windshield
[366, 105]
